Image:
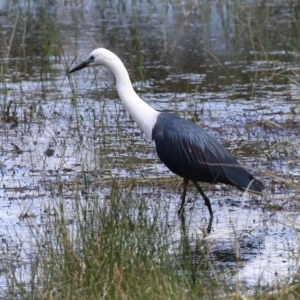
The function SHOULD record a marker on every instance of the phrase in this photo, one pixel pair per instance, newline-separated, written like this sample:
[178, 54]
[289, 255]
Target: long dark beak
[82, 65]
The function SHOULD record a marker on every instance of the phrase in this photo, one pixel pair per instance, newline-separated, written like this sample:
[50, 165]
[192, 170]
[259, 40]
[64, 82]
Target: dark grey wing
[190, 152]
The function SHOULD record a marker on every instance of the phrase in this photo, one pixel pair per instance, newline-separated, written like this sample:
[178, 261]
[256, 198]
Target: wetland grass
[114, 249]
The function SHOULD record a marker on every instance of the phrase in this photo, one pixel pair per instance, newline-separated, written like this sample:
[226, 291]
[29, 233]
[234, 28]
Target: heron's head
[97, 57]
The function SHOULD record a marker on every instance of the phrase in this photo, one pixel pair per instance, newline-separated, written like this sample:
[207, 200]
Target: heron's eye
[92, 57]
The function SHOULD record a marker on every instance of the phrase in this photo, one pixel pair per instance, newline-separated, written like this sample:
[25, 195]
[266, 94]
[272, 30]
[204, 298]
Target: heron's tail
[255, 186]
[244, 181]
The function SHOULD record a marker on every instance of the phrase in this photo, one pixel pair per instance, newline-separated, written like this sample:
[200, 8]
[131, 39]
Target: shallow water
[195, 61]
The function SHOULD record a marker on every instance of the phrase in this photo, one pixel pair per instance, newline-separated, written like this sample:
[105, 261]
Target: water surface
[237, 77]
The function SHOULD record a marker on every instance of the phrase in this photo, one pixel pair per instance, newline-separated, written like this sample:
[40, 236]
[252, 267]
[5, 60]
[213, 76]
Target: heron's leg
[182, 219]
[210, 224]
[206, 200]
[181, 209]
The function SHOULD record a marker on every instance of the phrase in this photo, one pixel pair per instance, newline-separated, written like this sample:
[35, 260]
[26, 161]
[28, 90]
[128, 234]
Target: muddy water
[236, 77]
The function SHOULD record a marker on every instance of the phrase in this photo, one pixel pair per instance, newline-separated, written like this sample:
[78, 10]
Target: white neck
[144, 115]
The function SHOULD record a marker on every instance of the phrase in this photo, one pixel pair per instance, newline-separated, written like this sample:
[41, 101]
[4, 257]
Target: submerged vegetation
[87, 210]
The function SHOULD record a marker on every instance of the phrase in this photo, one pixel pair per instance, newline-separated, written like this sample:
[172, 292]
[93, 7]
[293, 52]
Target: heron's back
[190, 152]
